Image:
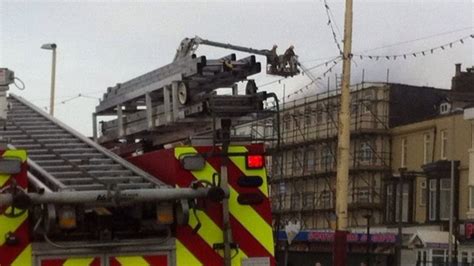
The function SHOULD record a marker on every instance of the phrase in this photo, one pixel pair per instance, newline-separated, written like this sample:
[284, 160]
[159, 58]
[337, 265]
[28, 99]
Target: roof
[430, 238]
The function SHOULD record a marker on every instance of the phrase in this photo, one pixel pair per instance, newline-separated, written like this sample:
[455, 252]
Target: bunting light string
[80, 95]
[333, 60]
[331, 26]
[424, 52]
[307, 86]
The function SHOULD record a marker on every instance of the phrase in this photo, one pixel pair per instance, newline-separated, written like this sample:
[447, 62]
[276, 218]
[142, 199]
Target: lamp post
[368, 216]
[51, 46]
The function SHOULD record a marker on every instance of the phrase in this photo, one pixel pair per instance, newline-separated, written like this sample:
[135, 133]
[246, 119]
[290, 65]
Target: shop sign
[321, 236]
[469, 230]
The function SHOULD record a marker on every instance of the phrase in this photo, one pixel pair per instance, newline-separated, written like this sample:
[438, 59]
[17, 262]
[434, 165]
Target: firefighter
[273, 59]
[289, 58]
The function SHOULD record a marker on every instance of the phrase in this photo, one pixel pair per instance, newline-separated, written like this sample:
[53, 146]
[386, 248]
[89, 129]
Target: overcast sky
[101, 43]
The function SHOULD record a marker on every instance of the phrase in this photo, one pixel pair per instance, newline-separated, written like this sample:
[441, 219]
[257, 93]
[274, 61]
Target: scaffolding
[303, 168]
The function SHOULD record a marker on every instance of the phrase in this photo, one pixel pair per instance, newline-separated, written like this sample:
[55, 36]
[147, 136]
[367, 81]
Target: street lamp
[368, 216]
[51, 46]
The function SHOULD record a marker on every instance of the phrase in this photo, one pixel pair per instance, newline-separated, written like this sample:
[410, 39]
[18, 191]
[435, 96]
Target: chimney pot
[458, 70]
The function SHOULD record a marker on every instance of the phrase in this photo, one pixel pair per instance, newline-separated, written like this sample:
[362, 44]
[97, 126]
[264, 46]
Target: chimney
[458, 70]
[463, 81]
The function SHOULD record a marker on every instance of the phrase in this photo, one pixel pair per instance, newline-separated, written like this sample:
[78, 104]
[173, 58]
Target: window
[471, 197]
[325, 199]
[297, 119]
[307, 117]
[362, 194]
[287, 122]
[444, 108]
[405, 199]
[354, 108]
[366, 102]
[444, 144]
[389, 203]
[464, 258]
[438, 256]
[365, 152]
[432, 199]
[282, 188]
[295, 201]
[282, 201]
[392, 201]
[404, 154]
[427, 149]
[444, 197]
[277, 167]
[319, 114]
[297, 163]
[308, 200]
[423, 193]
[326, 158]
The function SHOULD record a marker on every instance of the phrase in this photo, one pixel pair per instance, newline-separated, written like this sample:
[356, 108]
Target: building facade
[401, 137]
[426, 156]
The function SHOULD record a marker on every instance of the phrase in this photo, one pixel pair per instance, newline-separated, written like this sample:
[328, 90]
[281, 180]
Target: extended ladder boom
[280, 65]
[189, 46]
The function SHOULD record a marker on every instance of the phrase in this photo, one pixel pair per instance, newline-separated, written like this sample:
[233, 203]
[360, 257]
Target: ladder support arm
[104, 197]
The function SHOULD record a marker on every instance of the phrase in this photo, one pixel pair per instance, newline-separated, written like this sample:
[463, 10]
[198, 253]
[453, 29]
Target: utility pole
[343, 145]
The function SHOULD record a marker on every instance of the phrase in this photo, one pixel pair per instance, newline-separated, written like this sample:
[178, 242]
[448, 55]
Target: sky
[101, 43]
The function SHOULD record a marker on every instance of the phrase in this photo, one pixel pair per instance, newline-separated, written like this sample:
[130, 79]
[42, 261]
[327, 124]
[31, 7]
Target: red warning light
[255, 161]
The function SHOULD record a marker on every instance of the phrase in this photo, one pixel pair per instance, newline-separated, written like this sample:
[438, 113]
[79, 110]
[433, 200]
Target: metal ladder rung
[68, 151]
[83, 155]
[135, 185]
[110, 172]
[62, 140]
[96, 173]
[66, 144]
[112, 180]
[101, 167]
[41, 156]
[45, 136]
[86, 187]
[91, 162]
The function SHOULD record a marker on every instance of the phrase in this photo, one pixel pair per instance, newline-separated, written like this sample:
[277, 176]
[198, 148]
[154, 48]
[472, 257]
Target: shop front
[311, 246]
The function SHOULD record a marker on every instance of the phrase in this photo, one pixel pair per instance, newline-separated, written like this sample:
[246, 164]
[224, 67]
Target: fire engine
[163, 181]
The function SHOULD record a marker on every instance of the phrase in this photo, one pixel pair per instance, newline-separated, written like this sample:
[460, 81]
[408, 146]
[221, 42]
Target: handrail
[41, 171]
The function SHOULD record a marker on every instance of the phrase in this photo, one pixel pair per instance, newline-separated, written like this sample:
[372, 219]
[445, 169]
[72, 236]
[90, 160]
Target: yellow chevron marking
[10, 224]
[184, 257]
[24, 258]
[132, 261]
[246, 215]
[239, 161]
[78, 262]
[21, 154]
[209, 231]
[252, 221]
[237, 257]
[4, 179]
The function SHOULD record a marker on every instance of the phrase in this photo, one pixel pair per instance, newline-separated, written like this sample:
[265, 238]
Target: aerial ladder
[281, 65]
[163, 180]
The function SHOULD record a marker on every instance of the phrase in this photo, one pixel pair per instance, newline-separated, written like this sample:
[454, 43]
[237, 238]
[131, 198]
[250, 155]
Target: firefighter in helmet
[289, 58]
[273, 60]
